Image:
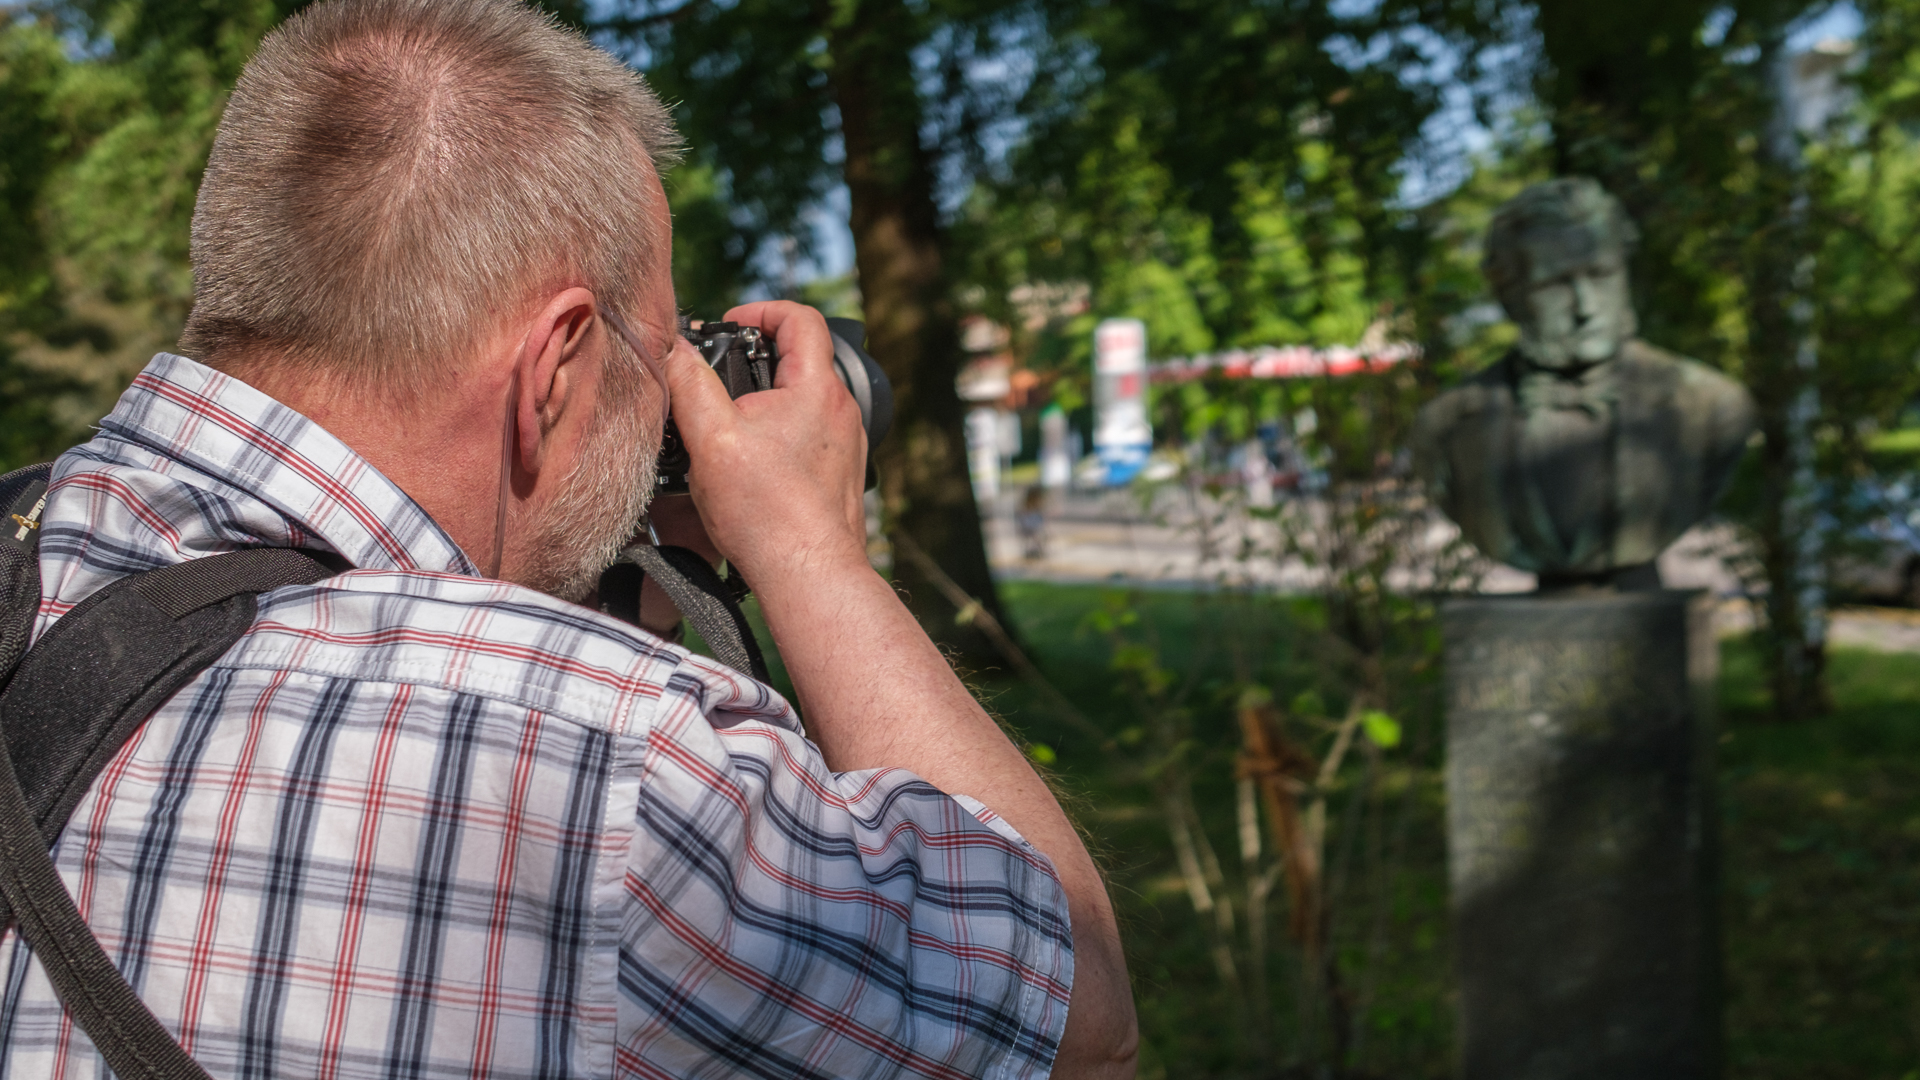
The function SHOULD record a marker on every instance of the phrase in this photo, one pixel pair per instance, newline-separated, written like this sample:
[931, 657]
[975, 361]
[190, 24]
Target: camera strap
[711, 603]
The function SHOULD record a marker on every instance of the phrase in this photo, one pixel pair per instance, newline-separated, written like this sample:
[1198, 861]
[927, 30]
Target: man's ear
[549, 371]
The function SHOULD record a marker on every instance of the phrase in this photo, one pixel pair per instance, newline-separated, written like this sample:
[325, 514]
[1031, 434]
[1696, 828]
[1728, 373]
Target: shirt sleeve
[784, 920]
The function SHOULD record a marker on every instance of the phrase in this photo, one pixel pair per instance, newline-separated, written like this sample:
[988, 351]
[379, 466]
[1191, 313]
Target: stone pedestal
[1580, 831]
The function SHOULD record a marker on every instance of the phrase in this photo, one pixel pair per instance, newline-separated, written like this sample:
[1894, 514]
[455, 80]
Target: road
[1111, 536]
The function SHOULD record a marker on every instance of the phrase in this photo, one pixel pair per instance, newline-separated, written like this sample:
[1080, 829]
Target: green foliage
[750, 85]
[1212, 170]
[37, 135]
[1864, 182]
[752, 82]
[709, 253]
[1285, 276]
[109, 110]
[1384, 730]
[33, 68]
[1819, 834]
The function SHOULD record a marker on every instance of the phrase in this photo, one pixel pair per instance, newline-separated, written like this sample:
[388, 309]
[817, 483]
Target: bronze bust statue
[1584, 451]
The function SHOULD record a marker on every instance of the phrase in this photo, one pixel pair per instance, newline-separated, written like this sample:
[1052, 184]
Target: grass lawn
[1822, 840]
[1822, 885]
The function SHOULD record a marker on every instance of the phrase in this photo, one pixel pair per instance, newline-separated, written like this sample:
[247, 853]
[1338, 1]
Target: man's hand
[776, 477]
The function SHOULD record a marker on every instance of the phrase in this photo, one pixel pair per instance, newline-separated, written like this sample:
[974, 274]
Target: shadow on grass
[1822, 888]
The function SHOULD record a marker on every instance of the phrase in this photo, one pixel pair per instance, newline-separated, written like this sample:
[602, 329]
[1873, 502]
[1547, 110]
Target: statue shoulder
[1699, 391]
[1486, 390]
[1688, 374]
[1460, 424]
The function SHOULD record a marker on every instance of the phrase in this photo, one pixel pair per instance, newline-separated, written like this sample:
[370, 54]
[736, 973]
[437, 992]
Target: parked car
[1880, 556]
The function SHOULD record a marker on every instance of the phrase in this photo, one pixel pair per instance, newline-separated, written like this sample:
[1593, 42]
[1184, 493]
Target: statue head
[1557, 259]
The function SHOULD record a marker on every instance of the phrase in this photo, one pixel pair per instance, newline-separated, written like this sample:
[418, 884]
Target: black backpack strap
[98, 997]
[76, 698]
[710, 603]
[23, 495]
[108, 664]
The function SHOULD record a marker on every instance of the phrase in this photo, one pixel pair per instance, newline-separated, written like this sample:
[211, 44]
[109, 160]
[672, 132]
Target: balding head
[393, 178]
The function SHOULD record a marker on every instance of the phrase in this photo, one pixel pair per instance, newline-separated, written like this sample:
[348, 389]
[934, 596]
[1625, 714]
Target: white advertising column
[1056, 460]
[1122, 436]
[983, 453]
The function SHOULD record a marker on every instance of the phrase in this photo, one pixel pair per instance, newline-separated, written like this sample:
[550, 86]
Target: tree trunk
[1786, 390]
[1793, 642]
[899, 249]
[1620, 78]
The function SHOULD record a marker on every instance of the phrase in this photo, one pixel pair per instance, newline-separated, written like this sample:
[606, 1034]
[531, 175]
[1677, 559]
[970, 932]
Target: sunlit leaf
[1382, 730]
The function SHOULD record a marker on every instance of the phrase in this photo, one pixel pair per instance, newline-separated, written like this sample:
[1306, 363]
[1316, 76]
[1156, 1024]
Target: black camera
[746, 361]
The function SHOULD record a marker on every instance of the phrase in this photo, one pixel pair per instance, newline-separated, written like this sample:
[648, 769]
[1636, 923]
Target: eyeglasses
[655, 365]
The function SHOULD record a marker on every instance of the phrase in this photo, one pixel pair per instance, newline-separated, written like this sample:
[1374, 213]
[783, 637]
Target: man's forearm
[776, 482]
[876, 694]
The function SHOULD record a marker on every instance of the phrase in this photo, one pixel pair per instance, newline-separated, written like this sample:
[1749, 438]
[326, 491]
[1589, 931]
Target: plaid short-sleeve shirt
[417, 823]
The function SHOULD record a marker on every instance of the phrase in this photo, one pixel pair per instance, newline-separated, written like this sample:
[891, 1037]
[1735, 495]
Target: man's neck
[443, 451]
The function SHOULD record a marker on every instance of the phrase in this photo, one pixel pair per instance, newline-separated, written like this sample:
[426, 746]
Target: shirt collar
[189, 413]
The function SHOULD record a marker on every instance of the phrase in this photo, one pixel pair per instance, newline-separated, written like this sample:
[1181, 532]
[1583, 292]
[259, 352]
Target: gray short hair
[393, 177]
[1572, 202]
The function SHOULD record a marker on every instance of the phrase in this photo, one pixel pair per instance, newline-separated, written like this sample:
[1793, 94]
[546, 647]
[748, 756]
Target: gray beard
[600, 505]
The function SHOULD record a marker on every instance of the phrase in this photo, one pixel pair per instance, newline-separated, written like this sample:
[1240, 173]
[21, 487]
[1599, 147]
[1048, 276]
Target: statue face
[1576, 309]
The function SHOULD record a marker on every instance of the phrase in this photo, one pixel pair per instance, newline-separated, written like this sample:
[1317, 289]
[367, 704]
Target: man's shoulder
[494, 640]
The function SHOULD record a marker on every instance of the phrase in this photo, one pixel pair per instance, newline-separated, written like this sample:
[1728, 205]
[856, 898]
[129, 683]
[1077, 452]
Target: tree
[1765, 248]
[33, 68]
[779, 102]
[103, 158]
[1229, 173]
[107, 112]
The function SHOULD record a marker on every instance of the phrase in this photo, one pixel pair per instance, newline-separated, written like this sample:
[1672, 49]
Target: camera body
[745, 359]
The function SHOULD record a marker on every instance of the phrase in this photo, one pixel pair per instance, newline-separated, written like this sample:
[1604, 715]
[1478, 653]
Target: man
[432, 818]
[1584, 452]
